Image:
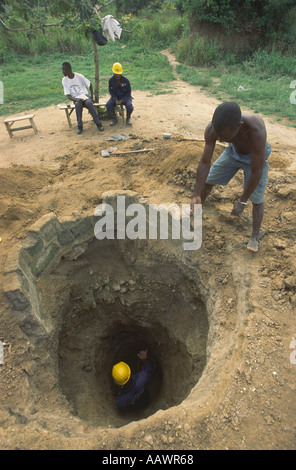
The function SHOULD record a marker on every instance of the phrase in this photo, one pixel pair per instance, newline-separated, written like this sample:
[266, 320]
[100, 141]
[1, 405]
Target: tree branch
[27, 29]
[127, 31]
[98, 8]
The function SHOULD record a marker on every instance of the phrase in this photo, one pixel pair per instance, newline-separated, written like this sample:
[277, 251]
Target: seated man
[120, 91]
[75, 88]
[132, 387]
[248, 150]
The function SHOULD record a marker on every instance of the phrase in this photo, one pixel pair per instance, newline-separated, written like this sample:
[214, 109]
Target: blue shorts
[228, 164]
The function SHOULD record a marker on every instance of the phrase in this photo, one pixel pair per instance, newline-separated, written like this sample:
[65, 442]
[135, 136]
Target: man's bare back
[251, 134]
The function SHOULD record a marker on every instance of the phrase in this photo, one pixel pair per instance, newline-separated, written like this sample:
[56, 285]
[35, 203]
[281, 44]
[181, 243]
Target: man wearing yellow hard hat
[132, 387]
[120, 91]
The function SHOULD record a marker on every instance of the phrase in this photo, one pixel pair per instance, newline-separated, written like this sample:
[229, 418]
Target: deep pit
[93, 303]
[128, 313]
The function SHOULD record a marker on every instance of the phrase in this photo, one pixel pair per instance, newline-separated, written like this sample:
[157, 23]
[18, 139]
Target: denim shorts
[228, 164]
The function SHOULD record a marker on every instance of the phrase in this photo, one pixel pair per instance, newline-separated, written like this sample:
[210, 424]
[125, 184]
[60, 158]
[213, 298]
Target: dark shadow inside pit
[118, 298]
[124, 345]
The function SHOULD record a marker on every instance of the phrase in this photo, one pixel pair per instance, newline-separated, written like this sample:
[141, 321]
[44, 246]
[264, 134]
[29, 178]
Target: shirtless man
[248, 150]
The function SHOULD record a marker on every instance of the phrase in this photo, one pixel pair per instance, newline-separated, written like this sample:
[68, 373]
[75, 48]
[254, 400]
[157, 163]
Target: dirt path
[246, 398]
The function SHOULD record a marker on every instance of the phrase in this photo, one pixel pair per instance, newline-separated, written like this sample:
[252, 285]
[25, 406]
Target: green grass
[32, 82]
[267, 87]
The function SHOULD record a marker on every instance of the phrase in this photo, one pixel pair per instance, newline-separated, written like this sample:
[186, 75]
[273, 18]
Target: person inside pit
[133, 393]
[75, 88]
[248, 150]
[120, 92]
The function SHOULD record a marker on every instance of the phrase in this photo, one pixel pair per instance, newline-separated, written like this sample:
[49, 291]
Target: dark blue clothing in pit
[129, 397]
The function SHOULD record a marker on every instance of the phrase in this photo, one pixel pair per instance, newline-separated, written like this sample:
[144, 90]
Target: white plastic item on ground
[111, 28]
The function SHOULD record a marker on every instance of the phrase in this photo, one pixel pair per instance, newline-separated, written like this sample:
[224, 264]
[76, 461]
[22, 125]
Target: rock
[280, 244]
[187, 427]
[137, 146]
[30, 368]
[290, 282]
[149, 439]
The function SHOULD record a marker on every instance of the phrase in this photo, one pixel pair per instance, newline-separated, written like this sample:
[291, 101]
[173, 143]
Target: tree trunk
[97, 71]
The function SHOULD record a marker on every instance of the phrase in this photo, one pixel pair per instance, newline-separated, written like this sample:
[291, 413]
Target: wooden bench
[69, 108]
[11, 120]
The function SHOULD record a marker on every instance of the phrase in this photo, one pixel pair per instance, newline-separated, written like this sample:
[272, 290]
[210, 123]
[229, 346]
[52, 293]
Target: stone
[83, 227]
[42, 261]
[65, 237]
[14, 293]
[33, 244]
[47, 227]
[290, 282]
[30, 368]
[280, 244]
[77, 251]
[149, 439]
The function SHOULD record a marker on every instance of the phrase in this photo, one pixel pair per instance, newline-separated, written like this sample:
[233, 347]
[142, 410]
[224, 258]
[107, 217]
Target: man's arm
[91, 92]
[128, 91]
[204, 165]
[70, 97]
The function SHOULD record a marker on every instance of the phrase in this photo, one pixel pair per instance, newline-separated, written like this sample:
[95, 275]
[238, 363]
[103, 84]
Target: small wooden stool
[9, 122]
[69, 108]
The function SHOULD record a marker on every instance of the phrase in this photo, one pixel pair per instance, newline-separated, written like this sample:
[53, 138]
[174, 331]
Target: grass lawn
[32, 82]
[257, 89]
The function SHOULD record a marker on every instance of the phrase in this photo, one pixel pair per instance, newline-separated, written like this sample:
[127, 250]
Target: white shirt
[75, 86]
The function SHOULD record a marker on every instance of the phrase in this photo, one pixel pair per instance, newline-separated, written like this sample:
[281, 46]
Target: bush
[160, 32]
[268, 18]
[198, 51]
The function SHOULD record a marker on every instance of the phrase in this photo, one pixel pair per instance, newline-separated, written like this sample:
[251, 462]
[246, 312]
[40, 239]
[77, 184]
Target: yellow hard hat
[117, 68]
[121, 373]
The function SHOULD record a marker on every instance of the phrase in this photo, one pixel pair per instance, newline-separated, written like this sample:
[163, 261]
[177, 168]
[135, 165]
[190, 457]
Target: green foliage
[260, 16]
[261, 82]
[160, 32]
[198, 51]
[134, 6]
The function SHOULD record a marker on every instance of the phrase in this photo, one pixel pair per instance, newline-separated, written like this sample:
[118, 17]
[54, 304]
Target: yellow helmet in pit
[121, 373]
[117, 68]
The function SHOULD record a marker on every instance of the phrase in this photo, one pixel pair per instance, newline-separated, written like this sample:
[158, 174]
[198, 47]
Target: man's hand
[194, 200]
[238, 208]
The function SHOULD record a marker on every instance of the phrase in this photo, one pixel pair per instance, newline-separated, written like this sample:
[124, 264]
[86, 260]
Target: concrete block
[65, 237]
[83, 227]
[77, 251]
[41, 262]
[14, 292]
[33, 244]
[47, 227]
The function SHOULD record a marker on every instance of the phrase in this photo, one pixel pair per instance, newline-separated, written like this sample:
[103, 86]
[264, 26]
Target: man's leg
[258, 211]
[257, 199]
[89, 105]
[78, 109]
[110, 105]
[129, 109]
